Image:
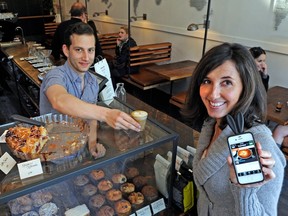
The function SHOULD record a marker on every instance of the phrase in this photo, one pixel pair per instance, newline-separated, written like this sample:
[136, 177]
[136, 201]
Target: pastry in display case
[72, 182]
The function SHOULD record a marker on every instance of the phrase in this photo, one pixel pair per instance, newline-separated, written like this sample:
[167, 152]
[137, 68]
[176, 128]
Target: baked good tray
[67, 138]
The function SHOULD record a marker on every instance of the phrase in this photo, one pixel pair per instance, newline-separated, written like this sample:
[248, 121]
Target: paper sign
[6, 163]
[107, 94]
[158, 206]
[30, 168]
[146, 211]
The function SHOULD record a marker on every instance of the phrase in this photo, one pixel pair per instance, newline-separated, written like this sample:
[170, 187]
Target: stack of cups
[38, 52]
[33, 49]
[30, 47]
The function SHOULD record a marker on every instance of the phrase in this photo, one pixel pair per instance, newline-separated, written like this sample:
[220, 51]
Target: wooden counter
[20, 51]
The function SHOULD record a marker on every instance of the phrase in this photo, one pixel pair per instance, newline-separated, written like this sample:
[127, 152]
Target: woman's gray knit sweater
[217, 195]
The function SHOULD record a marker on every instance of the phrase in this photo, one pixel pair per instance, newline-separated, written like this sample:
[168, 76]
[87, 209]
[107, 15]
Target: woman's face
[123, 35]
[261, 62]
[221, 89]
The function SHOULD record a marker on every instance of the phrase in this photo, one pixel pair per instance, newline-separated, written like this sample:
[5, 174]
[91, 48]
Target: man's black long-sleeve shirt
[58, 39]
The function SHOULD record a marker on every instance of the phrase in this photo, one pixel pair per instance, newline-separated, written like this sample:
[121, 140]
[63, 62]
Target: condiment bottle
[120, 92]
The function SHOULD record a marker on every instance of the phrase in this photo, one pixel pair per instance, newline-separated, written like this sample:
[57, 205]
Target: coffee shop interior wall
[251, 23]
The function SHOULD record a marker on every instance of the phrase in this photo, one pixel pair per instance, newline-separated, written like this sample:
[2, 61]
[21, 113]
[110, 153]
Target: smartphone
[245, 158]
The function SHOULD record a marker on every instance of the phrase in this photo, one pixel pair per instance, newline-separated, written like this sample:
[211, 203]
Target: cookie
[96, 201]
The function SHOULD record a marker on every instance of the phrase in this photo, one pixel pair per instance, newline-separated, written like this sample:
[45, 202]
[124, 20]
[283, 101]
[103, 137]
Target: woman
[225, 82]
[280, 132]
[260, 59]
[120, 64]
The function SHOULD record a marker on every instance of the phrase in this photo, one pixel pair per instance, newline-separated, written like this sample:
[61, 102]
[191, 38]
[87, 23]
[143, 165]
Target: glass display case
[79, 181]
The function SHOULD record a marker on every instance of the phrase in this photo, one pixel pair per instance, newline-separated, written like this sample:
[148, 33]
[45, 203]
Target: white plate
[30, 58]
[35, 61]
[38, 65]
[41, 76]
[43, 69]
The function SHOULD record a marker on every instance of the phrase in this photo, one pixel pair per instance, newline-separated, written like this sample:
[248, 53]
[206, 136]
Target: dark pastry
[88, 190]
[150, 193]
[131, 172]
[105, 211]
[96, 201]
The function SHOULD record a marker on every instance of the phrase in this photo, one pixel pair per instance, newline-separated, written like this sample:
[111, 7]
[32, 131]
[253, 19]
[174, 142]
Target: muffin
[96, 175]
[118, 179]
[113, 195]
[136, 199]
[88, 190]
[139, 182]
[131, 172]
[81, 180]
[150, 193]
[48, 209]
[96, 201]
[41, 197]
[104, 185]
[20, 205]
[127, 188]
[106, 211]
[122, 207]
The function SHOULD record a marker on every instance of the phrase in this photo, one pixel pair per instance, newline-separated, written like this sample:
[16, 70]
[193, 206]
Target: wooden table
[274, 95]
[174, 71]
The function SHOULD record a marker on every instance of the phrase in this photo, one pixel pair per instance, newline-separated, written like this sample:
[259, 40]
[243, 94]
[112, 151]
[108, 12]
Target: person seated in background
[280, 135]
[72, 90]
[78, 14]
[260, 59]
[280, 132]
[119, 66]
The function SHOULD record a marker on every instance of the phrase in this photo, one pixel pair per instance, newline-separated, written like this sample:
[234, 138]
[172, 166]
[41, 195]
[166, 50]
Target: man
[119, 67]
[78, 14]
[70, 89]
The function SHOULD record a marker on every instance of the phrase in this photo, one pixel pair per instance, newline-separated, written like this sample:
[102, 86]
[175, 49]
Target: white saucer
[41, 76]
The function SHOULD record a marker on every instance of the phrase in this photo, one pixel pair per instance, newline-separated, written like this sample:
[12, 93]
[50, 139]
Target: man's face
[122, 35]
[80, 55]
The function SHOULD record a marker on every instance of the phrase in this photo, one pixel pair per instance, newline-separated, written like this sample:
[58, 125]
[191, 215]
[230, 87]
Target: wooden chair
[49, 29]
[147, 55]
[179, 99]
[108, 41]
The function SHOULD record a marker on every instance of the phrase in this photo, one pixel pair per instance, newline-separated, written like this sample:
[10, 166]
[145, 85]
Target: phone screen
[245, 158]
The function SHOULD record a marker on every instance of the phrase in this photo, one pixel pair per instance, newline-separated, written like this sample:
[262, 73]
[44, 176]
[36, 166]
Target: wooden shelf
[36, 17]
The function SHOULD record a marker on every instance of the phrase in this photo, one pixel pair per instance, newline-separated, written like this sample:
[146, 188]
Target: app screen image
[245, 158]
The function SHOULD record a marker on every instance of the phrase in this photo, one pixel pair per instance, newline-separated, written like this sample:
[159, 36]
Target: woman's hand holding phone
[267, 163]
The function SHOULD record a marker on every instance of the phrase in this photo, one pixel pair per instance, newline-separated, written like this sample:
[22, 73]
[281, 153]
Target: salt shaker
[120, 92]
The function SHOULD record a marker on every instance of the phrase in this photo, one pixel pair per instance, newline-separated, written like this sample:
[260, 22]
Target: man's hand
[121, 120]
